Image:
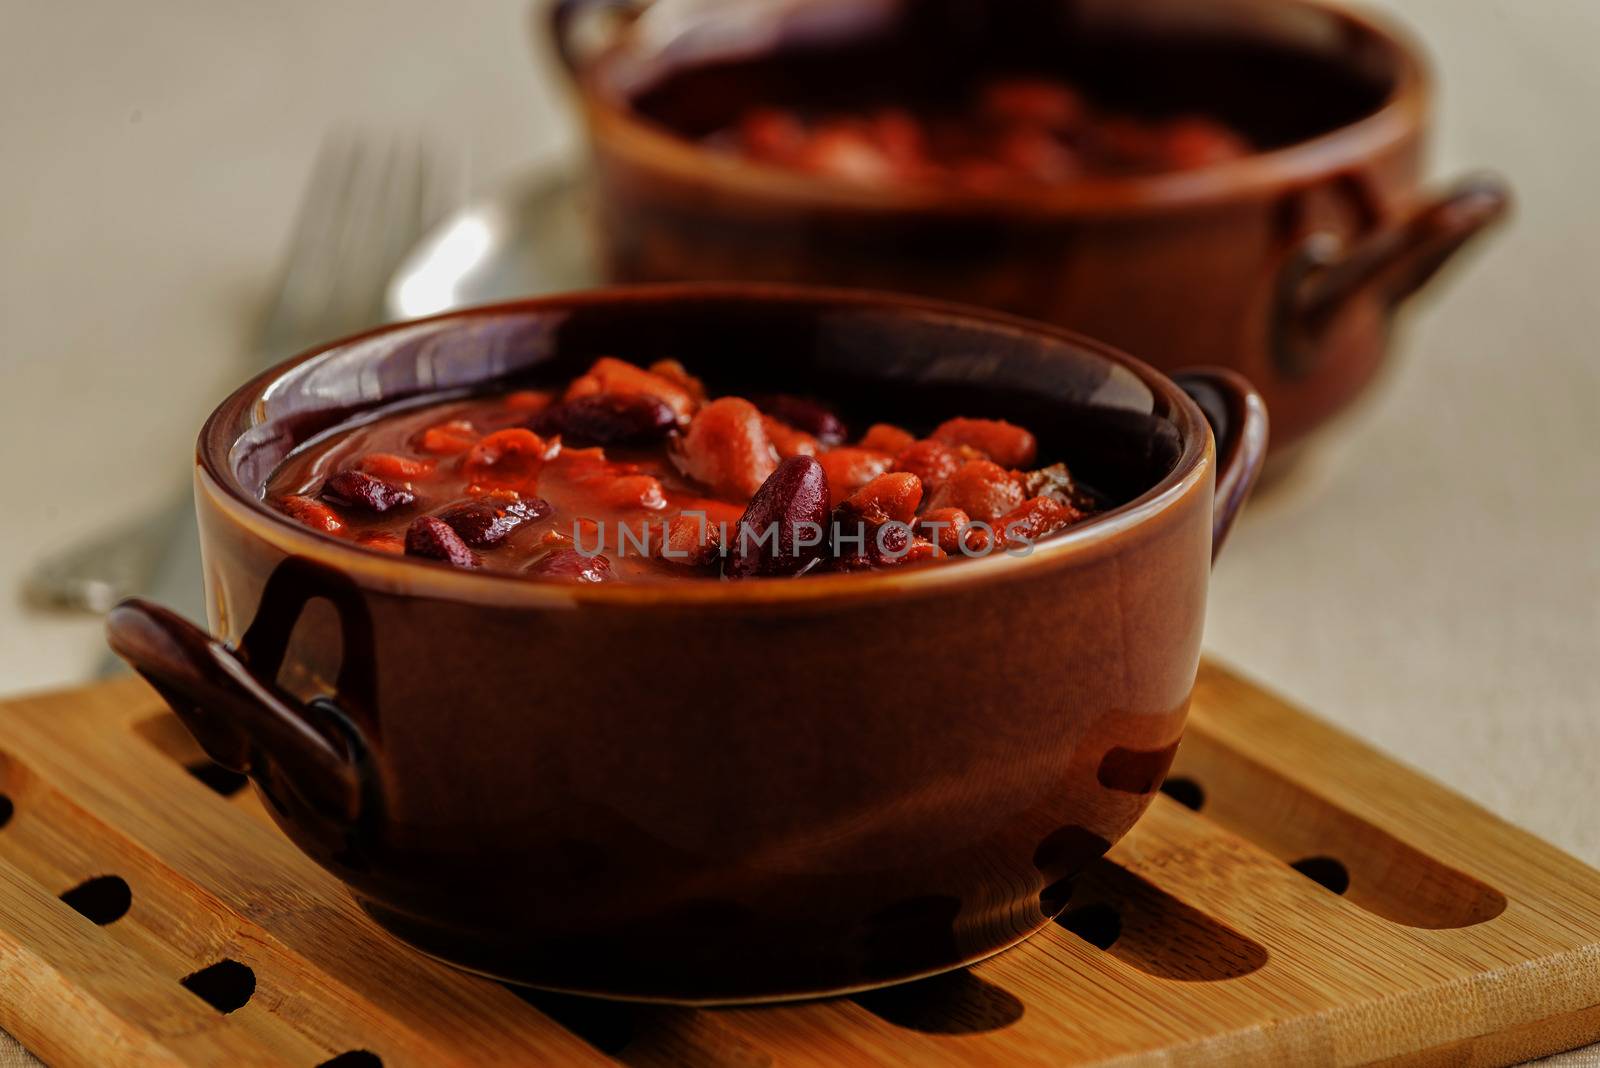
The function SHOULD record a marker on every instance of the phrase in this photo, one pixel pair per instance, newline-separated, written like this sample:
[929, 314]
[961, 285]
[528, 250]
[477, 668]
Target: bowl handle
[565, 21]
[1323, 273]
[1238, 419]
[228, 698]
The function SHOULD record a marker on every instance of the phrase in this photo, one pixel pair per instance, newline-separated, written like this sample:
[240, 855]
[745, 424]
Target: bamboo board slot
[1292, 896]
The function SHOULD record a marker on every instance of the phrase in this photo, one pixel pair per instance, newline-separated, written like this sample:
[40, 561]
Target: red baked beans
[637, 474]
[1013, 131]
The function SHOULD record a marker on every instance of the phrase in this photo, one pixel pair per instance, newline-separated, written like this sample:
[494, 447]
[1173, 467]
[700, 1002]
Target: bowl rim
[1403, 112]
[242, 410]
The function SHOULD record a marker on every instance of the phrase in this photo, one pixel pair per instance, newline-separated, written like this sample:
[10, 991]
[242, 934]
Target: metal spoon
[531, 236]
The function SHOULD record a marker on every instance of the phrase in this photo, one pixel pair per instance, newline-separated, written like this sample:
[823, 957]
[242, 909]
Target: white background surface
[1432, 583]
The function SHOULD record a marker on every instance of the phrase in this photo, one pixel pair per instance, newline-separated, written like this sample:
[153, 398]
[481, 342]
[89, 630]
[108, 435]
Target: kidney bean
[447, 439]
[789, 441]
[611, 375]
[886, 437]
[432, 539]
[506, 458]
[804, 415]
[727, 449]
[388, 465]
[313, 514]
[849, 469]
[889, 542]
[485, 523]
[1032, 520]
[608, 419]
[785, 526]
[357, 489]
[889, 497]
[1005, 443]
[569, 565]
[982, 489]
[931, 461]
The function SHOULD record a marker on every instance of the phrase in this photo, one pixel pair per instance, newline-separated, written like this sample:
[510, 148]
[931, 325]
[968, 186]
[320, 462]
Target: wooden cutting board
[1295, 898]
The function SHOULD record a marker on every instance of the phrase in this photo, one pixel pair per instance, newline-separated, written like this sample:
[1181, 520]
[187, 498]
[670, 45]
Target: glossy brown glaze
[1287, 265]
[713, 791]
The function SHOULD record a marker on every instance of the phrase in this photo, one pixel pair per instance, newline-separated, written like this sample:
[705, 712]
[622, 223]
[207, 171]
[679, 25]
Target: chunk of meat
[886, 437]
[448, 439]
[1005, 443]
[727, 450]
[931, 461]
[889, 497]
[511, 458]
[789, 441]
[849, 469]
[981, 488]
[677, 373]
[390, 465]
[312, 513]
[1031, 521]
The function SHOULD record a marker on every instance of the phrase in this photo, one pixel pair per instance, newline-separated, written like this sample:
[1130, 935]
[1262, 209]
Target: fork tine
[380, 231]
[405, 207]
[361, 211]
[310, 248]
[319, 205]
[448, 188]
[349, 269]
[367, 205]
[440, 192]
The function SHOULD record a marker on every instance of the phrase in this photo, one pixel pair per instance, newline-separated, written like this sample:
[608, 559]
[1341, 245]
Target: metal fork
[365, 206]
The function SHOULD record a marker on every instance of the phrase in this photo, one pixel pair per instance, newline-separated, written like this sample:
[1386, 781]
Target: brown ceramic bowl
[1286, 266]
[702, 790]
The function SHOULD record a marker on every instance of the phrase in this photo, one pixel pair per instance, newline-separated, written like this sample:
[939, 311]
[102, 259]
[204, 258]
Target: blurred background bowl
[1286, 265]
